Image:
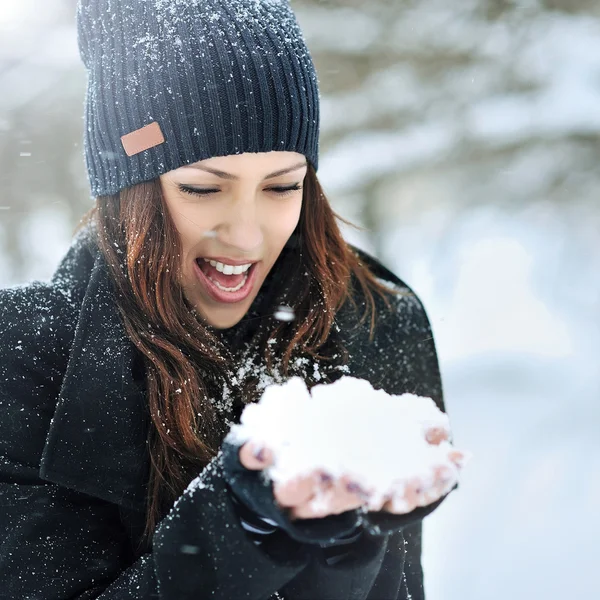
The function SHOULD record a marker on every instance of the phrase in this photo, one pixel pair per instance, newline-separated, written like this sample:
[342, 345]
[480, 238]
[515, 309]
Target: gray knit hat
[172, 82]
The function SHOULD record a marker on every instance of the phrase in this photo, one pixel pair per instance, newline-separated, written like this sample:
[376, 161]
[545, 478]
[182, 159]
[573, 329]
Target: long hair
[181, 355]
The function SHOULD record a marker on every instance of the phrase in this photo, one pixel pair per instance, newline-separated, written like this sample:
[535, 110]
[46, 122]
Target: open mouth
[229, 288]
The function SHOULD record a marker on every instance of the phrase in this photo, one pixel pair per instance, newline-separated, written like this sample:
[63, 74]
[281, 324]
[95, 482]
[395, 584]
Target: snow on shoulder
[347, 428]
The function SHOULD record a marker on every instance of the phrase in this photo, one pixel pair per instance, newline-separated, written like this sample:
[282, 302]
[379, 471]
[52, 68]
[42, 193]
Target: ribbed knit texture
[220, 77]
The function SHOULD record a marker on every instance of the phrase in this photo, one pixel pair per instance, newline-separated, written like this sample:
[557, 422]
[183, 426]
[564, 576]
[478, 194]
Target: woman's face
[237, 210]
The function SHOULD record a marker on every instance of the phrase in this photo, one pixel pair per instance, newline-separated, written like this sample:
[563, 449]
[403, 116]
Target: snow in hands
[349, 428]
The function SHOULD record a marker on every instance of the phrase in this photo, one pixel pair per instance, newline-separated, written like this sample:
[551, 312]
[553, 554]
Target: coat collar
[96, 443]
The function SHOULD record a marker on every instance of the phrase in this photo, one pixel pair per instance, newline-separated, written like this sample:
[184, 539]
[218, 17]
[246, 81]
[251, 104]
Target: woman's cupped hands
[319, 494]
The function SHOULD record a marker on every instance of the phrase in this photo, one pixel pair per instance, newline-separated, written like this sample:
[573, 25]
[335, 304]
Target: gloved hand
[410, 503]
[256, 492]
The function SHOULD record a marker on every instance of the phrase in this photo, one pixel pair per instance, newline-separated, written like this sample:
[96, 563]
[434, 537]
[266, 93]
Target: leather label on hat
[142, 139]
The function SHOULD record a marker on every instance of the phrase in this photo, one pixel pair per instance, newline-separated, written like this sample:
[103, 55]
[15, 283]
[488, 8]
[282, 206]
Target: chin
[225, 324]
[223, 317]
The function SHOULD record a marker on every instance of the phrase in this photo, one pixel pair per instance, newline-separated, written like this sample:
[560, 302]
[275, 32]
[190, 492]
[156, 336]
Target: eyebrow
[229, 176]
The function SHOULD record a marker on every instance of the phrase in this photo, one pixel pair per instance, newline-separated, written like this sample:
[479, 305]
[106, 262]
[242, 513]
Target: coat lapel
[96, 443]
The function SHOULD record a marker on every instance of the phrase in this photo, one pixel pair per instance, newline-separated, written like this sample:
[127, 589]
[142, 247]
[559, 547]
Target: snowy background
[464, 136]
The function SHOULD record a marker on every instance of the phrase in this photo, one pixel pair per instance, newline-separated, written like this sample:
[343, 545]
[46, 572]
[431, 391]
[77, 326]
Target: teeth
[228, 269]
[227, 289]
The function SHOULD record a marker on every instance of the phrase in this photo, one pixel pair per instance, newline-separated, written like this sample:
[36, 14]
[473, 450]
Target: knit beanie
[173, 82]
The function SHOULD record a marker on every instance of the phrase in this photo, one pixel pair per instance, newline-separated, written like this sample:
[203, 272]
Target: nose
[241, 229]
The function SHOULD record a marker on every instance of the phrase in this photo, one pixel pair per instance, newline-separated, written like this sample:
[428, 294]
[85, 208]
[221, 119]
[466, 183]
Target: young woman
[211, 266]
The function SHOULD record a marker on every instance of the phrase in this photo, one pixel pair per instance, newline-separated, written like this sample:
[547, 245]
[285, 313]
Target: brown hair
[141, 246]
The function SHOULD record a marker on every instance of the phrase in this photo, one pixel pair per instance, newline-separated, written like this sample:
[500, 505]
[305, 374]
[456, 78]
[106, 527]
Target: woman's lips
[228, 281]
[222, 296]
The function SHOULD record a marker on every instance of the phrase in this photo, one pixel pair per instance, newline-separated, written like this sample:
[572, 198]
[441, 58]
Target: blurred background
[464, 136]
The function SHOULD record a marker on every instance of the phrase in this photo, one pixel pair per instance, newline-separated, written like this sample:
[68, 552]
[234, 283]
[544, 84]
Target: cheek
[190, 224]
[187, 233]
[289, 220]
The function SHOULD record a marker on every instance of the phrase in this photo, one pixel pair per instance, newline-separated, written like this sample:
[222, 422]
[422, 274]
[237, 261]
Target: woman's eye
[282, 191]
[197, 192]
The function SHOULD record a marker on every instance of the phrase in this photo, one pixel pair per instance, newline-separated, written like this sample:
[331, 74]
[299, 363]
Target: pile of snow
[347, 428]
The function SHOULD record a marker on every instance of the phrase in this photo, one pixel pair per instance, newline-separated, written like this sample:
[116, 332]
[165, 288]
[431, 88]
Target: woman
[211, 266]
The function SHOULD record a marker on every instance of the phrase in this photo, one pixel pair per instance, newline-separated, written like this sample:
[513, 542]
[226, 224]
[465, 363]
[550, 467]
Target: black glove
[257, 494]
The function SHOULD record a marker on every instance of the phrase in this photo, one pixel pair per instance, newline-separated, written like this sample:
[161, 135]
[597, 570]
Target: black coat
[73, 464]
